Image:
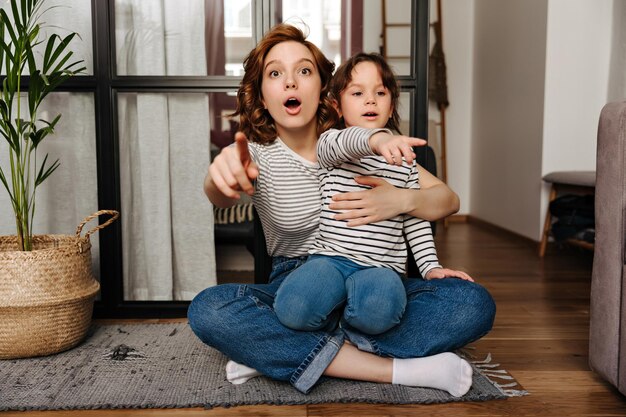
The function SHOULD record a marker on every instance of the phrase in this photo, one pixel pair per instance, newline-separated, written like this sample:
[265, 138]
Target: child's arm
[335, 147]
[422, 243]
[419, 236]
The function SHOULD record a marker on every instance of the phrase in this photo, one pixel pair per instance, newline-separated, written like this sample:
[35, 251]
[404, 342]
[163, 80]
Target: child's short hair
[343, 76]
[255, 121]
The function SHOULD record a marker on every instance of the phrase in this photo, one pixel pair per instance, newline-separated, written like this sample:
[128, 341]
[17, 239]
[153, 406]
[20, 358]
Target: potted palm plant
[46, 286]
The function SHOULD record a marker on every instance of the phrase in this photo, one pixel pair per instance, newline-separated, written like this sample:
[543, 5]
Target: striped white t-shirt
[342, 155]
[287, 198]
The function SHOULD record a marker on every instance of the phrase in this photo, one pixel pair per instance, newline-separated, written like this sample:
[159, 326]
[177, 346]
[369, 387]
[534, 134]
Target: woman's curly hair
[255, 121]
[343, 76]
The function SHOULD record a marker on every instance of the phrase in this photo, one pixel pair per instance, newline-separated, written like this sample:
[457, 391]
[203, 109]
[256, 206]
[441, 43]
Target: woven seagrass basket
[47, 294]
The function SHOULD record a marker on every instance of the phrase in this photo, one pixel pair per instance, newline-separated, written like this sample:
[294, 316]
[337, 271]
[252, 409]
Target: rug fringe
[490, 371]
[515, 392]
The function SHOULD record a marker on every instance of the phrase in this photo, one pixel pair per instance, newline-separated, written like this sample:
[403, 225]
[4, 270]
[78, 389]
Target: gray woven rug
[166, 366]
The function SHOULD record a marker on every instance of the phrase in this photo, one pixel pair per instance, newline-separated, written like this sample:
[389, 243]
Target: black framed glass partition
[149, 115]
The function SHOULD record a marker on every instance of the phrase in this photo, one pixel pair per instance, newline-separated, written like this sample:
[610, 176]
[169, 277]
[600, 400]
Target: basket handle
[114, 215]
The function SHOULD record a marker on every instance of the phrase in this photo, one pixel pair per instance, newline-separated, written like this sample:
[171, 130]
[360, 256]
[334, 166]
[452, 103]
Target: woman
[284, 107]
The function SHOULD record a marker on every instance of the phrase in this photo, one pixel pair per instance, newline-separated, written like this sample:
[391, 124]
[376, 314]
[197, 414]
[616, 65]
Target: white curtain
[71, 193]
[167, 221]
[62, 17]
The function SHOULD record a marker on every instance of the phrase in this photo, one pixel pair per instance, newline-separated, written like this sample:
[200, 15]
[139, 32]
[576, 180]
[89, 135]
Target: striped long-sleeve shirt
[343, 155]
[287, 198]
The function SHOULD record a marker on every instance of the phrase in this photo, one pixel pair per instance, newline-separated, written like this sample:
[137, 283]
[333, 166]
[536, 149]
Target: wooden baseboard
[457, 218]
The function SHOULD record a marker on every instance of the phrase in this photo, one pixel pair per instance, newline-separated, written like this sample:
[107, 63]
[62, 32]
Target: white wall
[507, 113]
[458, 39]
[526, 82]
[577, 78]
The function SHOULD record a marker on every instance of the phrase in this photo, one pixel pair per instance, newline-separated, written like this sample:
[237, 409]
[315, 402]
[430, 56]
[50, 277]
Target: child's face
[365, 101]
[291, 87]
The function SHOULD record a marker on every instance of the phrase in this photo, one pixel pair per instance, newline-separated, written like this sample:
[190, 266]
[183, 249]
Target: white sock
[237, 373]
[445, 371]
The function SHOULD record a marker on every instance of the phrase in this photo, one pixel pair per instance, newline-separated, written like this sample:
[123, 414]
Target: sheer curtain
[167, 221]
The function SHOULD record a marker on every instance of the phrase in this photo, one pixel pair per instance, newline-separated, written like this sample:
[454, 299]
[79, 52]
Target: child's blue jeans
[328, 288]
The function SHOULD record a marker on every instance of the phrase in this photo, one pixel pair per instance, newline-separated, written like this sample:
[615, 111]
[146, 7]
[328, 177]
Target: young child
[361, 267]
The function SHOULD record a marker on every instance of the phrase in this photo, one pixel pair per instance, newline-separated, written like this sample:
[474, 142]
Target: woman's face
[365, 101]
[291, 87]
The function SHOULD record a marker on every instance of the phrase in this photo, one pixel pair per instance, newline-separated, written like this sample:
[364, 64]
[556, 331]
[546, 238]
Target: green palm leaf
[19, 36]
[44, 172]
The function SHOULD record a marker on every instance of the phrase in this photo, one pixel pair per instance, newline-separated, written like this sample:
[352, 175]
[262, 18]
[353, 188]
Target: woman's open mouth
[292, 106]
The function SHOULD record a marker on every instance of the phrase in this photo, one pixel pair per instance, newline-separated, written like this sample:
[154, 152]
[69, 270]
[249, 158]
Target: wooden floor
[540, 336]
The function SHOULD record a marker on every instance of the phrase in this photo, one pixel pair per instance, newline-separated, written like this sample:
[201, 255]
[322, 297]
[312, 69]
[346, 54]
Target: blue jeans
[314, 296]
[238, 319]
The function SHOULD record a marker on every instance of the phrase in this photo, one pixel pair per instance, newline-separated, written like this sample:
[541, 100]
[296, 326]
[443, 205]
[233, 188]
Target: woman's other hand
[383, 201]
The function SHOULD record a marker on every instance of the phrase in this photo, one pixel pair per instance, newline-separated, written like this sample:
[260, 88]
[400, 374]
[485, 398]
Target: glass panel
[398, 12]
[237, 36]
[400, 66]
[234, 228]
[167, 221]
[321, 19]
[61, 17]
[395, 46]
[396, 35]
[191, 37]
[71, 193]
[404, 110]
[357, 26]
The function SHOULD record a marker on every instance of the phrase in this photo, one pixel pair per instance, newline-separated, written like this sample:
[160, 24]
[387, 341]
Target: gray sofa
[607, 337]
